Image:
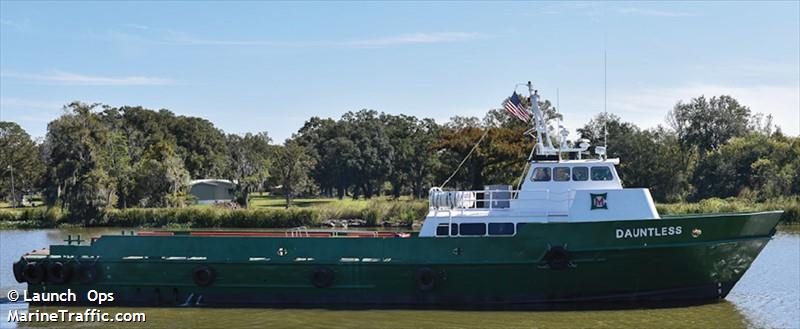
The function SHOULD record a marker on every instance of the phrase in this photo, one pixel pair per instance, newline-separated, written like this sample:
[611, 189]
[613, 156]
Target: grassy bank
[790, 207]
[268, 212]
[375, 212]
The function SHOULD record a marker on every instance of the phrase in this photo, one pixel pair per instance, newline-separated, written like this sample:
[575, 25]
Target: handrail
[471, 199]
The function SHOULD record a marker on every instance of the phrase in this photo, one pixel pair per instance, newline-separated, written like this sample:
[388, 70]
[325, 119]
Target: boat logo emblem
[696, 232]
[282, 251]
[599, 201]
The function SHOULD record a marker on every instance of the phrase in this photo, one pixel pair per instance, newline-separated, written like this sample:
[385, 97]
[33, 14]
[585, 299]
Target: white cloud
[651, 12]
[67, 78]
[648, 107]
[173, 37]
[415, 38]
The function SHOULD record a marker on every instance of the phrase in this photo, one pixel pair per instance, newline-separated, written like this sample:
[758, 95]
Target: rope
[465, 158]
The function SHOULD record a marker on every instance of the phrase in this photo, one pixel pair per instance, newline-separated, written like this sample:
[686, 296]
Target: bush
[789, 205]
[9, 215]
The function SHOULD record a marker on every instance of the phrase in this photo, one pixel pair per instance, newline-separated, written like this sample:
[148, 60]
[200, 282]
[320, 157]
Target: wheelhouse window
[541, 174]
[580, 173]
[473, 229]
[602, 173]
[561, 174]
[501, 228]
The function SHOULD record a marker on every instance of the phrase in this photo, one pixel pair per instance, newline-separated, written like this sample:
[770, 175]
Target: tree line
[96, 157]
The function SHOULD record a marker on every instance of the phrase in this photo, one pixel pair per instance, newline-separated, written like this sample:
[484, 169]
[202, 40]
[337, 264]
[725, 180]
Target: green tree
[19, 161]
[757, 163]
[201, 145]
[706, 124]
[77, 160]
[161, 179]
[250, 157]
[375, 153]
[290, 168]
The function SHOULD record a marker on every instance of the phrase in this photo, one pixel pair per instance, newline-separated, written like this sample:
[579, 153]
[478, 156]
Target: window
[561, 174]
[473, 229]
[441, 230]
[541, 174]
[501, 228]
[580, 173]
[601, 173]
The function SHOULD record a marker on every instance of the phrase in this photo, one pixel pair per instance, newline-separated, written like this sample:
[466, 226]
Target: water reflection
[767, 296]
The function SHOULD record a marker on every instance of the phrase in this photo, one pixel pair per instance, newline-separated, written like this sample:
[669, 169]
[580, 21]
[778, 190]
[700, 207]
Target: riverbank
[267, 212]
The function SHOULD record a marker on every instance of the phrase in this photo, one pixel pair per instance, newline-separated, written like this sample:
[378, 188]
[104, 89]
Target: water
[768, 296]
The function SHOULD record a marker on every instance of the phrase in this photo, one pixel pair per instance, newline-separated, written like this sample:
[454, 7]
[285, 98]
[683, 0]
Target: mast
[544, 145]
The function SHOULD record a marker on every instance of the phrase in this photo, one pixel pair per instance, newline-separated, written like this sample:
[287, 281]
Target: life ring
[88, 273]
[426, 279]
[322, 277]
[203, 276]
[557, 258]
[58, 272]
[34, 272]
[18, 270]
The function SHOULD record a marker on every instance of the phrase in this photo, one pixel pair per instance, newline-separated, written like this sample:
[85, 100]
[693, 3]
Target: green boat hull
[688, 259]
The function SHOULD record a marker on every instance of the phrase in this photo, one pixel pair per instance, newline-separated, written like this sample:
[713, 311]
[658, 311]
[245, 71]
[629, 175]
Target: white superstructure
[553, 191]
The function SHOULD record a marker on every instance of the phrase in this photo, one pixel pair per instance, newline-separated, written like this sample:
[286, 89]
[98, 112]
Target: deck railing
[547, 201]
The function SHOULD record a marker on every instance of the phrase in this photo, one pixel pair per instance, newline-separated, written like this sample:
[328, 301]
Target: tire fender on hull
[58, 272]
[203, 276]
[557, 258]
[18, 269]
[322, 277]
[34, 272]
[426, 279]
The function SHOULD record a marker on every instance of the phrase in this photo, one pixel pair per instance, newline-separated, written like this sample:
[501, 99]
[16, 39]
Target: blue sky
[250, 66]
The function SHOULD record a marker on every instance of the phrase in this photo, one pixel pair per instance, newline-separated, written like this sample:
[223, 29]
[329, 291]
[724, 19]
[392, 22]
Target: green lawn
[258, 200]
[267, 201]
[7, 206]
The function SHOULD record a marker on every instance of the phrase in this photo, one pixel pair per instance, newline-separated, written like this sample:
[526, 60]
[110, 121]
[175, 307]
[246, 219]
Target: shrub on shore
[789, 205]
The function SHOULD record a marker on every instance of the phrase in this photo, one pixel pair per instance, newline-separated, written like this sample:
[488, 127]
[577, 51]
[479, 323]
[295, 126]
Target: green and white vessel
[569, 236]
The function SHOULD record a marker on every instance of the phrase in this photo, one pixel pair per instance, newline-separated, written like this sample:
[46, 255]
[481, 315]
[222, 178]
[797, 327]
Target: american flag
[514, 106]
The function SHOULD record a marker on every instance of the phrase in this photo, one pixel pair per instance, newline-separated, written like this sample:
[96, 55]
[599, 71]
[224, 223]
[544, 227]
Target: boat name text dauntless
[644, 232]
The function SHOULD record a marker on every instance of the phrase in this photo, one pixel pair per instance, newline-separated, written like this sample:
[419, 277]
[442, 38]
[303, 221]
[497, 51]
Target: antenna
[605, 97]
[559, 126]
[605, 82]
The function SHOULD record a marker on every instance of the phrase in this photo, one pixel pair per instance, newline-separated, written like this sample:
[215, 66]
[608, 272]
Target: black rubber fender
[34, 272]
[18, 269]
[58, 272]
[322, 277]
[88, 273]
[203, 276]
[558, 258]
[426, 279]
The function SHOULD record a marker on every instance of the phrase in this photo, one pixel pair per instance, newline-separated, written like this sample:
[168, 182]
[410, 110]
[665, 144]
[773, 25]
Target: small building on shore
[207, 191]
